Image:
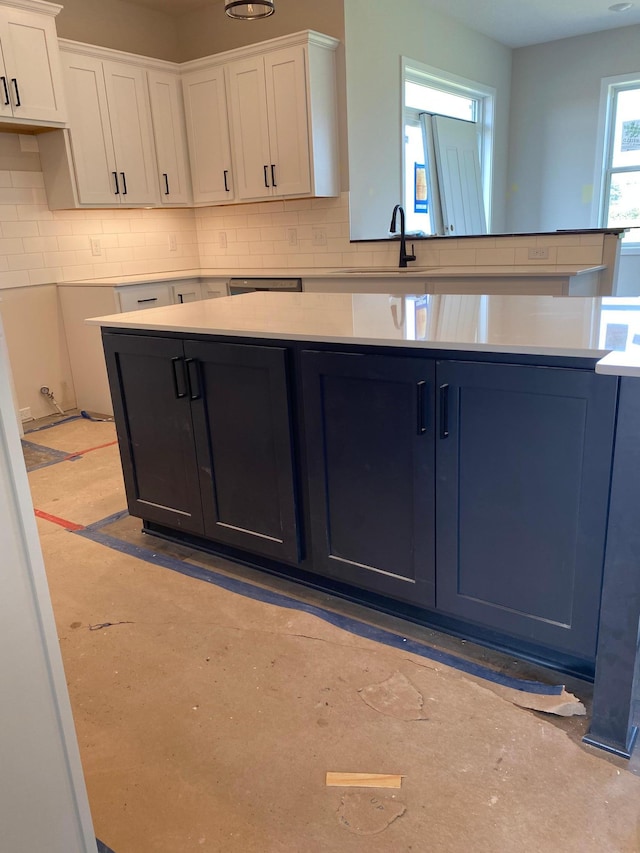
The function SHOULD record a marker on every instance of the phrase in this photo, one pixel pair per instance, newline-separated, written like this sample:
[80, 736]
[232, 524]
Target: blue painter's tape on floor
[54, 424]
[346, 623]
[38, 456]
[102, 848]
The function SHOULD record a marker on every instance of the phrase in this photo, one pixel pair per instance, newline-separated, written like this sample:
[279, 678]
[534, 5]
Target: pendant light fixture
[249, 11]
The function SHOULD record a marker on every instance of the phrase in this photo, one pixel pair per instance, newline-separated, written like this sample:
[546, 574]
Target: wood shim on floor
[363, 780]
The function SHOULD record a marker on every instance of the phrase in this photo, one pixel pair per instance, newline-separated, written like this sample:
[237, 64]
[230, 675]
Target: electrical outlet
[539, 254]
[96, 249]
[319, 237]
[25, 414]
[223, 239]
[292, 236]
[173, 243]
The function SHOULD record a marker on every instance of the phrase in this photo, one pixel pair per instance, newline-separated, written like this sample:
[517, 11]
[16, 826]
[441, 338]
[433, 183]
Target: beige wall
[208, 30]
[119, 25]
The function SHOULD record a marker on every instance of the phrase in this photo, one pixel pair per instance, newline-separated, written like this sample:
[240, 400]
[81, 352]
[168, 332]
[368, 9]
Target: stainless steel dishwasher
[250, 285]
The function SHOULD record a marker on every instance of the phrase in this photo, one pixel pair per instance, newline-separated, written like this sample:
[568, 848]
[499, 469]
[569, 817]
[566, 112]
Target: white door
[32, 66]
[130, 116]
[170, 138]
[286, 89]
[456, 145]
[90, 130]
[205, 104]
[250, 129]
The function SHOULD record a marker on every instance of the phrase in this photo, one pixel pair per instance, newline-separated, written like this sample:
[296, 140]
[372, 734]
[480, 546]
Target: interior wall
[121, 26]
[555, 98]
[208, 30]
[377, 35]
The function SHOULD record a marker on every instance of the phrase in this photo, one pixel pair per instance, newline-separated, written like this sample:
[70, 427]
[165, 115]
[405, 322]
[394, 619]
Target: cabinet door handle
[148, 299]
[193, 373]
[117, 185]
[273, 175]
[226, 184]
[15, 86]
[266, 177]
[166, 183]
[124, 183]
[444, 411]
[7, 99]
[179, 382]
[422, 388]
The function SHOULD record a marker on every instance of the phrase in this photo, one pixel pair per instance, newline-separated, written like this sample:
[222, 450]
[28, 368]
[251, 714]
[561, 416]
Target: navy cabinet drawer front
[155, 431]
[369, 438]
[244, 446]
[522, 494]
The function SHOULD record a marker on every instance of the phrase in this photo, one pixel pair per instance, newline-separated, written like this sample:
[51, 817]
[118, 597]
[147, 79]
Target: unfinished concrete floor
[207, 718]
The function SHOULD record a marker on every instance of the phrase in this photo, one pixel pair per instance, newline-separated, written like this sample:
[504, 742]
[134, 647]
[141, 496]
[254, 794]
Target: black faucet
[404, 257]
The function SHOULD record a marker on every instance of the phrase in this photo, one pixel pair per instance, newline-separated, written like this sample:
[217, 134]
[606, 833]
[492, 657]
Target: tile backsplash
[39, 246]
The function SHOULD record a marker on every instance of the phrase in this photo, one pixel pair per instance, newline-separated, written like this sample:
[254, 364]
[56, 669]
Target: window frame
[414, 71]
[610, 86]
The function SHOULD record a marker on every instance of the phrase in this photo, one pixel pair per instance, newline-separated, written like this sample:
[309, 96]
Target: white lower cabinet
[84, 343]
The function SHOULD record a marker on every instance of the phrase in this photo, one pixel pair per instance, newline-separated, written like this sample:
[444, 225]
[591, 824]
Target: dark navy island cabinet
[369, 425]
[205, 438]
[523, 462]
[471, 491]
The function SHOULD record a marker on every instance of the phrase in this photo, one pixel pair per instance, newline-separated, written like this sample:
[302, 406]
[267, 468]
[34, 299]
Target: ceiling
[513, 22]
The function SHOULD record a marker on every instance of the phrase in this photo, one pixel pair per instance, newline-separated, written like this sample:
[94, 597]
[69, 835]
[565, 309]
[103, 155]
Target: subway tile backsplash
[41, 246]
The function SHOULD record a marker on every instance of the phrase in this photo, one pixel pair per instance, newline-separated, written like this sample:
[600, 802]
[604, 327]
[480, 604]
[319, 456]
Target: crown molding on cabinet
[111, 55]
[303, 37]
[39, 6]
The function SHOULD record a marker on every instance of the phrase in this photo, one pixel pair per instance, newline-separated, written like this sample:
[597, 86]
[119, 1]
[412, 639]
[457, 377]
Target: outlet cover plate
[539, 254]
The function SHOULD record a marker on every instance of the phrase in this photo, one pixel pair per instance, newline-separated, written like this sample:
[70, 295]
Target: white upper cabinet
[278, 109]
[31, 87]
[205, 103]
[167, 113]
[107, 157]
[268, 98]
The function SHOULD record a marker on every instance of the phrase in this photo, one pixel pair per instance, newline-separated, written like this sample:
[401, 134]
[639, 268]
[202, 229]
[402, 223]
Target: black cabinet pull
[15, 86]
[266, 177]
[226, 185]
[273, 175]
[422, 402]
[124, 183]
[444, 411]
[149, 299]
[115, 178]
[7, 99]
[193, 372]
[179, 381]
[166, 183]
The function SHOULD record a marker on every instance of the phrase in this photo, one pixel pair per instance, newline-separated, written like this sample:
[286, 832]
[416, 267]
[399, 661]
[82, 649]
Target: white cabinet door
[167, 114]
[32, 78]
[94, 158]
[186, 291]
[286, 92]
[205, 104]
[130, 116]
[250, 129]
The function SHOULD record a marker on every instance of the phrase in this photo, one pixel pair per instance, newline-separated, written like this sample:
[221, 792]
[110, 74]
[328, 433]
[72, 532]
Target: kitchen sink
[388, 270]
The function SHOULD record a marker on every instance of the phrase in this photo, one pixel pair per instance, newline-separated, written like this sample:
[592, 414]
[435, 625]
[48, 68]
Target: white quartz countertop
[527, 271]
[538, 325]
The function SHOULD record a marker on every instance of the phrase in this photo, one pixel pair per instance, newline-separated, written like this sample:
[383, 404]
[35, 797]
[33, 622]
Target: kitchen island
[456, 460]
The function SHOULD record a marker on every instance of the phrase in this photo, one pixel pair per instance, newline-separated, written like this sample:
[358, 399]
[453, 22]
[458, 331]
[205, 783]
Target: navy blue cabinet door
[244, 444]
[152, 411]
[523, 462]
[369, 429]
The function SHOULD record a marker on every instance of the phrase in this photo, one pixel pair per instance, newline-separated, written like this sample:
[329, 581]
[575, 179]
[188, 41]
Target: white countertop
[537, 271]
[538, 325]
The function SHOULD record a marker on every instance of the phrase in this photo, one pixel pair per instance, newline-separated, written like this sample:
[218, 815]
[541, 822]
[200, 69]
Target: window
[620, 181]
[429, 90]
